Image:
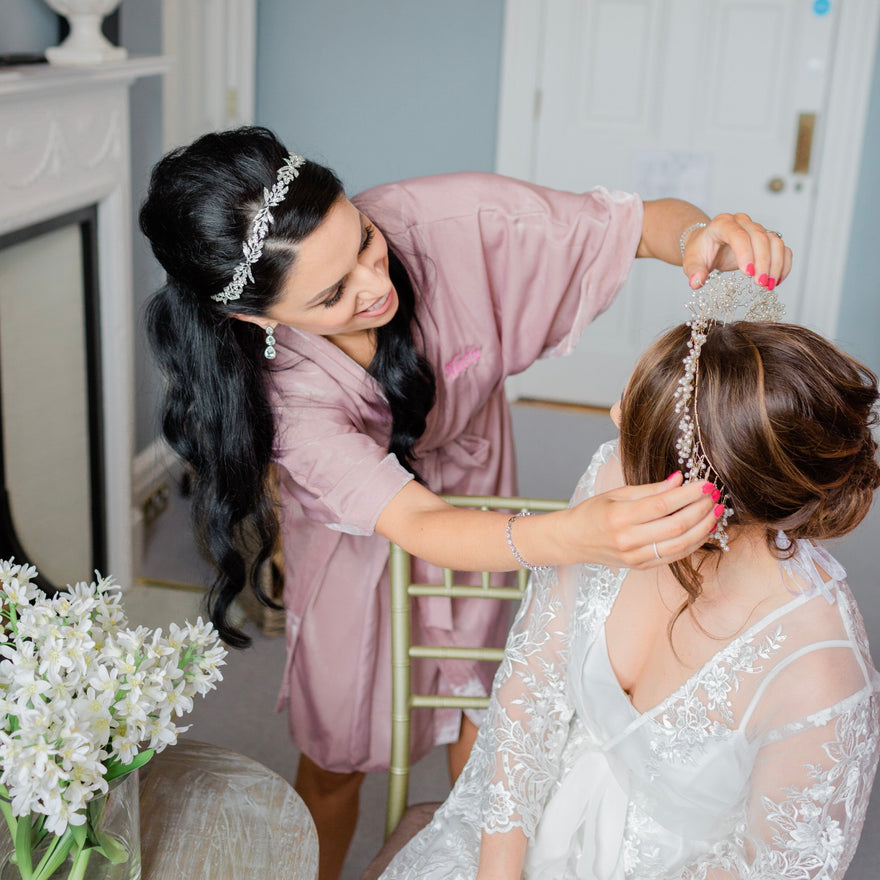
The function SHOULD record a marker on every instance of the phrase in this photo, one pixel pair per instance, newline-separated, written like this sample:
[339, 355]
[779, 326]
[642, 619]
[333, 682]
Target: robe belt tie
[582, 826]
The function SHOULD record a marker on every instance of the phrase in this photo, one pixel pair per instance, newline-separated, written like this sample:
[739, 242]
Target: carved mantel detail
[73, 141]
[64, 141]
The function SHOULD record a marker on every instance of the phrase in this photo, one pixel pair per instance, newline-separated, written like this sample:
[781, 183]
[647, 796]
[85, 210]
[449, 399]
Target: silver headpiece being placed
[716, 302]
[253, 247]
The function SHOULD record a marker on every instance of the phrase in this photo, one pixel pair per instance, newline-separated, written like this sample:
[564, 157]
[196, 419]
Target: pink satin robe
[504, 272]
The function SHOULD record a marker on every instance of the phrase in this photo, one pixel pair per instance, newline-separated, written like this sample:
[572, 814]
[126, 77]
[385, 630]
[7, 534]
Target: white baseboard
[153, 466]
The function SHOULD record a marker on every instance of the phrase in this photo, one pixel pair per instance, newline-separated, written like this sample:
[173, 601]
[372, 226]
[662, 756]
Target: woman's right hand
[643, 526]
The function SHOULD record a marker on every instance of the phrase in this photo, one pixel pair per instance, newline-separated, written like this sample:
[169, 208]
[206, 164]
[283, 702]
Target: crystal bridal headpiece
[253, 247]
[716, 302]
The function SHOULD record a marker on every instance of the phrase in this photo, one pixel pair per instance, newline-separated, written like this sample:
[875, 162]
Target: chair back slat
[403, 701]
[466, 591]
[450, 652]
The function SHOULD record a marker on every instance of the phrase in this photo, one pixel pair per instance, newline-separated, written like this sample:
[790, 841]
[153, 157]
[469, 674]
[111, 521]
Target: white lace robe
[759, 767]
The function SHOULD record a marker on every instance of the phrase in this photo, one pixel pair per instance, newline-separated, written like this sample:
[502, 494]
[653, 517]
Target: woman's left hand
[735, 241]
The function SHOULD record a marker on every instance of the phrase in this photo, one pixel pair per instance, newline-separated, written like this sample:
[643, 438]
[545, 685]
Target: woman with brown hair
[717, 718]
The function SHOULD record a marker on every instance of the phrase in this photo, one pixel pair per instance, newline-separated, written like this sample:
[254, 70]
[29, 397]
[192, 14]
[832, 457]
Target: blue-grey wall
[26, 26]
[858, 328]
[385, 89]
[141, 34]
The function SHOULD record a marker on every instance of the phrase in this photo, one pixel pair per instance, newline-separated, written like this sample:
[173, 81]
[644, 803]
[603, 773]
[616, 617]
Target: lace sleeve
[529, 715]
[528, 721]
[809, 792]
[809, 795]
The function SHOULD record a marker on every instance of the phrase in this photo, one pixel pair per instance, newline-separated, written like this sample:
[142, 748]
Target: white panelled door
[721, 102]
[212, 46]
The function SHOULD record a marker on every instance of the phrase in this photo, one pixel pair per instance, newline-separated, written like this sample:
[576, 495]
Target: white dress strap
[808, 562]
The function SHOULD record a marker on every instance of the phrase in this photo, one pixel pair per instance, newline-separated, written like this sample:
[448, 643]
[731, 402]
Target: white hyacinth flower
[82, 693]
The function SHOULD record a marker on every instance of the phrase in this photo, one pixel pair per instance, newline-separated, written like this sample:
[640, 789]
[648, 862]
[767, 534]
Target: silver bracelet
[512, 546]
[684, 234]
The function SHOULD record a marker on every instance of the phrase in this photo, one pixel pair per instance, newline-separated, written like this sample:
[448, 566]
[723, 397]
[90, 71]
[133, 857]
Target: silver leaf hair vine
[253, 247]
[716, 302]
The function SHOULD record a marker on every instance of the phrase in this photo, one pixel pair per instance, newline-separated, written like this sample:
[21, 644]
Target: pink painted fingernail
[707, 488]
[672, 476]
[716, 494]
[693, 280]
[713, 528]
[719, 509]
[771, 283]
[762, 279]
[750, 269]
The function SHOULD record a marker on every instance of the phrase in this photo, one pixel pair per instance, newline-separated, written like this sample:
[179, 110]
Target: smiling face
[339, 286]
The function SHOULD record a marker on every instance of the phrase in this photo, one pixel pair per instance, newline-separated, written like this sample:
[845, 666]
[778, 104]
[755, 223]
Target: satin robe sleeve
[525, 266]
[327, 441]
[504, 272]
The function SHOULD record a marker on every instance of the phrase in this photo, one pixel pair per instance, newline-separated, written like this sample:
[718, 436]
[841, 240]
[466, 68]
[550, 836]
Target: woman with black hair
[362, 346]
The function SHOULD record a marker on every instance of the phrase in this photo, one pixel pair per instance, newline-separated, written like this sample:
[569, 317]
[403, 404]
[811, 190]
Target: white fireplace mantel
[64, 138]
[64, 145]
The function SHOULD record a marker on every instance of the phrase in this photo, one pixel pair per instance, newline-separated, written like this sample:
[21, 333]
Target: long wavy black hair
[215, 410]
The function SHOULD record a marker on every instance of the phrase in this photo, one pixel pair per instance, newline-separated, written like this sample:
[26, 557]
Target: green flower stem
[13, 618]
[55, 855]
[38, 831]
[111, 849]
[6, 807]
[80, 863]
[23, 854]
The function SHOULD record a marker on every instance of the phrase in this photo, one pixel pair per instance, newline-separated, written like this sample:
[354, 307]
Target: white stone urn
[85, 45]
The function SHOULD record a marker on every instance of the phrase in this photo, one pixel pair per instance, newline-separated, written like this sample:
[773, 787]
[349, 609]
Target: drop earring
[269, 351]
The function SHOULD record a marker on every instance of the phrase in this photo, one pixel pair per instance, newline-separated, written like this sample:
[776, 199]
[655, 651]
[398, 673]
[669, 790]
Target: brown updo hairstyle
[785, 419]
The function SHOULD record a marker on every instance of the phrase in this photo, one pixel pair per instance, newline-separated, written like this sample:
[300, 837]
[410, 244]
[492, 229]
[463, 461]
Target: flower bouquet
[85, 702]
